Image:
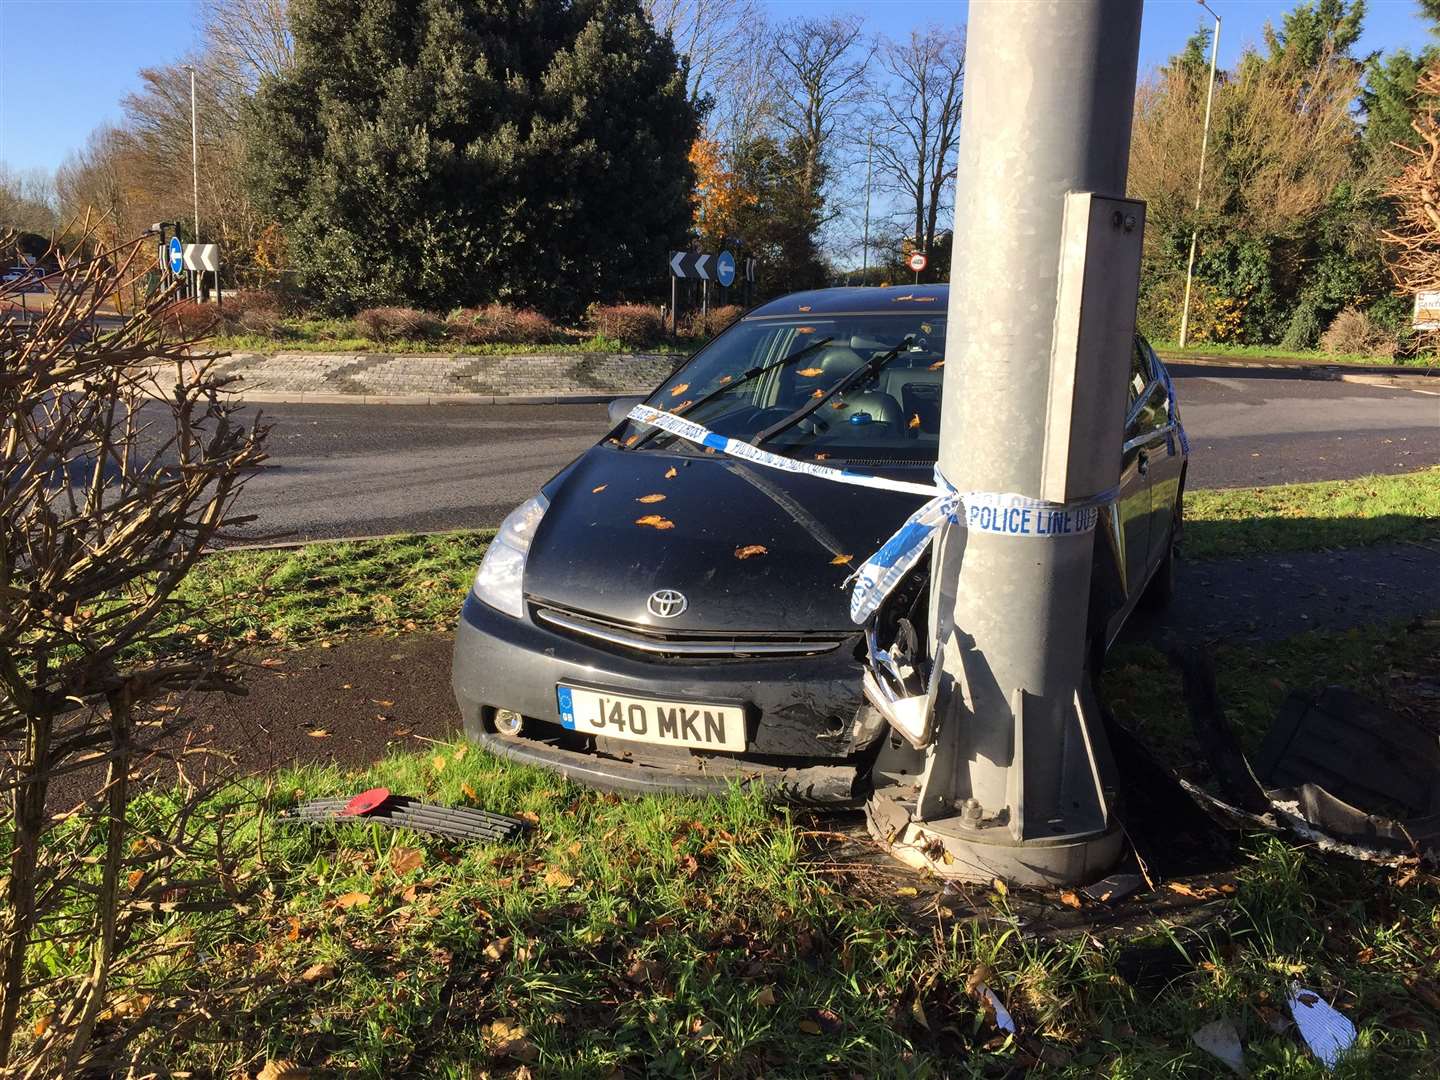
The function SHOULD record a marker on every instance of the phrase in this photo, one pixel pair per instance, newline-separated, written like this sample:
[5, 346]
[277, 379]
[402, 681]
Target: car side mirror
[620, 408]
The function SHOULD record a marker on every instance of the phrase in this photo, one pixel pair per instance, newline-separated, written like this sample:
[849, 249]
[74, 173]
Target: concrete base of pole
[948, 848]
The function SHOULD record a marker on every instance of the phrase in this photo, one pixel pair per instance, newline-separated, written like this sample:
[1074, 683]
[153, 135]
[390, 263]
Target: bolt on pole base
[1051, 823]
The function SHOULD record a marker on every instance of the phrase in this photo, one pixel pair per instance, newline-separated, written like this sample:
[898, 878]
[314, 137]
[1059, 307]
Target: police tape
[697, 433]
[997, 513]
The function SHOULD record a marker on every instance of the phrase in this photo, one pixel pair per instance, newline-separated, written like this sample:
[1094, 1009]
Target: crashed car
[661, 616]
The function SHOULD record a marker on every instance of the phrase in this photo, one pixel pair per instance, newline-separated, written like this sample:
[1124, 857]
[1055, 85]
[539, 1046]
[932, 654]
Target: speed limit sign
[918, 261]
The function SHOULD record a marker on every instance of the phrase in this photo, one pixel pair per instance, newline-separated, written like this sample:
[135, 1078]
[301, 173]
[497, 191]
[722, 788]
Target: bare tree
[822, 67]
[919, 121]
[705, 34]
[1413, 245]
[115, 475]
[27, 200]
[247, 40]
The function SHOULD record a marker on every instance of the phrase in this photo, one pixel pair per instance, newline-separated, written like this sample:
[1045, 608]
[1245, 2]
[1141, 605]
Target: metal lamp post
[1200, 180]
[194, 170]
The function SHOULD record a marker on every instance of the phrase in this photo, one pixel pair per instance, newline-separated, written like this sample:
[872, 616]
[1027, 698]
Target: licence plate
[672, 723]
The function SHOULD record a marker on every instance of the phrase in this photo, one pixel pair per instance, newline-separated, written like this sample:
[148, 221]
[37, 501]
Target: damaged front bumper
[810, 736]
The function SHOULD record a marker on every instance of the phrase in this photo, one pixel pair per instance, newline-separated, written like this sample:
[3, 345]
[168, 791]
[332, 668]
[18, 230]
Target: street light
[1200, 180]
[194, 163]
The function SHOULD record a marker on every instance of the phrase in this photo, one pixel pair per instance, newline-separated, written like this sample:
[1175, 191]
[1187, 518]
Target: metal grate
[681, 644]
[402, 812]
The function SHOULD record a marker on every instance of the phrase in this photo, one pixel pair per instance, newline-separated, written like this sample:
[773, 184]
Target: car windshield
[762, 370]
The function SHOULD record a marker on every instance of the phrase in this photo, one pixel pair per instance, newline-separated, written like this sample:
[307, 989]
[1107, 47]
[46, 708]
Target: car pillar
[1015, 781]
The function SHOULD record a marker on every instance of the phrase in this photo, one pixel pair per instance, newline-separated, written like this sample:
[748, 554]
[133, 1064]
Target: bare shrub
[500, 324]
[104, 509]
[632, 324]
[1353, 332]
[186, 320]
[261, 321]
[399, 324]
[708, 324]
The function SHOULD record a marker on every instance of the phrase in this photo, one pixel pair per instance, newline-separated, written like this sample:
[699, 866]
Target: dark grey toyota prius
[663, 617]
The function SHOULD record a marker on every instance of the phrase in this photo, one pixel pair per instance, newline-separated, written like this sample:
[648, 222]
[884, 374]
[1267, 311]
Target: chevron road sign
[203, 257]
[692, 264]
[698, 266]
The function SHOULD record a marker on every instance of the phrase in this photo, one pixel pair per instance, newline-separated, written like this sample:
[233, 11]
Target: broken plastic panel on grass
[1335, 769]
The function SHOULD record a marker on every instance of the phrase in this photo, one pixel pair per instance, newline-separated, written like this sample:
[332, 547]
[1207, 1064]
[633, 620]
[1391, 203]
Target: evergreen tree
[446, 152]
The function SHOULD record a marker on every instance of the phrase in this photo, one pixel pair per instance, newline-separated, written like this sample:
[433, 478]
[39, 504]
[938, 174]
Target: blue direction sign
[725, 269]
[176, 255]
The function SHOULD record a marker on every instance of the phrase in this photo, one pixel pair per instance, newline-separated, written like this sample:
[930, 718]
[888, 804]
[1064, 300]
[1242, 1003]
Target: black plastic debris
[1335, 769]
[403, 812]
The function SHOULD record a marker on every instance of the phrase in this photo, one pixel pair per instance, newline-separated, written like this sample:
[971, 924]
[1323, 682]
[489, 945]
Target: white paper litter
[1003, 1020]
[1326, 1032]
[1220, 1038]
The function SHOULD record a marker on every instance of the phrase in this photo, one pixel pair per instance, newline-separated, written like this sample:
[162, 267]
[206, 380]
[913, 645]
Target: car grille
[687, 645]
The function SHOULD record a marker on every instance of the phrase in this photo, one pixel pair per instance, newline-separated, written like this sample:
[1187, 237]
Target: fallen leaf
[43, 1025]
[645, 971]
[468, 792]
[725, 378]
[917, 1010]
[1001, 888]
[828, 1020]
[575, 848]
[136, 876]
[272, 662]
[907, 890]
[529, 815]
[678, 390]
[811, 372]
[837, 404]
[510, 1039]
[439, 762]
[410, 894]
[598, 489]
[280, 1069]
[651, 498]
[750, 549]
[841, 560]
[670, 473]
[558, 879]
[937, 365]
[821, 457]
[766, 997]
[632, 440]
[1204, 893]
[405, 859]
[460, 752]
[498, 949]
[1070, 899]
[655, 521]
[809, 1027]
[682, 406]
[915, 420]
[353, 899]
[318, 733]
[317, 973]
[294, 932]
[818, 393]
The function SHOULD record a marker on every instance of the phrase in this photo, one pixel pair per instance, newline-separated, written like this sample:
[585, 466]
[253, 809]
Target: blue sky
[67, 63]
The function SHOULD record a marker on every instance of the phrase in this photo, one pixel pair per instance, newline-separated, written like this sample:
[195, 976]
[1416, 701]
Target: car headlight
[501, 577]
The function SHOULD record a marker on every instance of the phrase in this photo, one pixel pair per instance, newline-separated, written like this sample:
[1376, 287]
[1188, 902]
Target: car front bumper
[809, 734]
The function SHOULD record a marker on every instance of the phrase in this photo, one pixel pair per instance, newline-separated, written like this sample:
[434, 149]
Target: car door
[1134, 500]
[1164, 458]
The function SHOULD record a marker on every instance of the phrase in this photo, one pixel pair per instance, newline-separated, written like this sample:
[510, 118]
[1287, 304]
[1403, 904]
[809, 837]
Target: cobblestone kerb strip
[378, 378]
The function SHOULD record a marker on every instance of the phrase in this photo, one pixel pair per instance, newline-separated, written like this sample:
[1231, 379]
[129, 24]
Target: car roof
[857, 301]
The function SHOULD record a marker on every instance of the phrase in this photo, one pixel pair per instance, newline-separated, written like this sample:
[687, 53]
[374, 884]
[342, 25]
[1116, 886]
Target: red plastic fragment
[365, 802]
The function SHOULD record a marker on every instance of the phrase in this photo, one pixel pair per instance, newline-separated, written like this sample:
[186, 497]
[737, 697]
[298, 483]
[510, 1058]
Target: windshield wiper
[869, 368]
[746, 376]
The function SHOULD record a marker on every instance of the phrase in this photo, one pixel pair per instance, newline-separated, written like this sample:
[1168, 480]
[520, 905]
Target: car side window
[1139, 376]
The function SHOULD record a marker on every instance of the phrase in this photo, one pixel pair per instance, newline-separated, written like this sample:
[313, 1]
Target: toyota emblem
[667, 603]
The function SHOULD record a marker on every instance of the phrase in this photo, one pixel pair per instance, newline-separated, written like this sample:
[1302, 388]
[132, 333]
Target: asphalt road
[355, 470]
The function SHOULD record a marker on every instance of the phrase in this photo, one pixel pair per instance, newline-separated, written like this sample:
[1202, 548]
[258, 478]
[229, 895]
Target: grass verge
[672, 937]
[1170, 351]
[1308, 517]
[331, 588]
